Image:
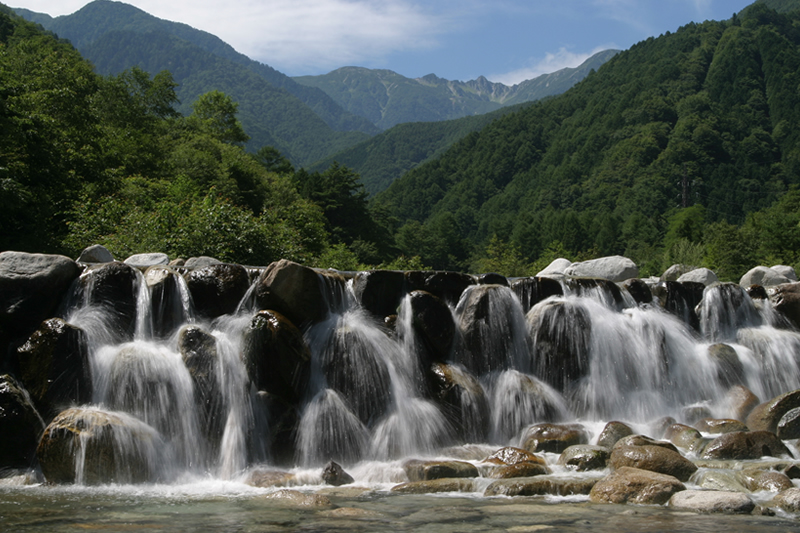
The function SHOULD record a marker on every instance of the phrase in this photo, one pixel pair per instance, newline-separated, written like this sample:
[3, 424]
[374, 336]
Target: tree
[215, 113]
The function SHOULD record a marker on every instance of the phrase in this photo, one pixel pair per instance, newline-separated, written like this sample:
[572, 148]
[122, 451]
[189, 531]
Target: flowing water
[588, 356]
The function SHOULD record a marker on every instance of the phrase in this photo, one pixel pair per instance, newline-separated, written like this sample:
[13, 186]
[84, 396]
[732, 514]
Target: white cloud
[550, 63]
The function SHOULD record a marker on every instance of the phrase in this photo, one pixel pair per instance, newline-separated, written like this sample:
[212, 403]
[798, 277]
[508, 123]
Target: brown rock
[436, 485]
[765, 417]
[585, 457]
[553, 438]
[417, 470]
[653, 458]
[785, 299]
[270, 478]
[612, 432]
[293, 290]
[524, 469]
[643, 440]
[757, 480]
[746, 445]
[720, 425]
[295, 498]
[511, 456]
[788, 500]
[632, 485]
[540, 485]
[740, 401]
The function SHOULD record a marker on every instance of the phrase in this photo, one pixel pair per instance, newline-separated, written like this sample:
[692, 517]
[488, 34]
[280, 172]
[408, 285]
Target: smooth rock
[553, 438]
[644, 440]
[719, 425]
[417, 470]
[531, 291]
[436, 485]
[699, 275]
[540, 485]
[295, 498]
[653, 458]
[511, 455]
[740, 402]
[746, 445]
[712, 501]
[788, 500]
[583, 457]
[613, 268]
[334, 474]
[462, 400]
[786, 300]
[270, 478]
[380, 291]
[200, 262]
[757, 480]
[293, 290]
[786, 271]
[612, 432]
[96, 253]
[523, 469]
[719, 479]
[632, 485]
[764, 276]
[147, 260]
[675, 271]
[789, 425]
[766, 416]
[557, 267]
[217, 289]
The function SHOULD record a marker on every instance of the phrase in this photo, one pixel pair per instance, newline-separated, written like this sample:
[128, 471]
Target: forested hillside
[302, 122]
[90, 159]
[677, 149]
[387, 98]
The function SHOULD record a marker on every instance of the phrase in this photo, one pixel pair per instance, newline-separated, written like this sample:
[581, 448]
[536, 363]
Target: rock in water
[712, 501]
[632, 485]
[20, 425]
[334, 474]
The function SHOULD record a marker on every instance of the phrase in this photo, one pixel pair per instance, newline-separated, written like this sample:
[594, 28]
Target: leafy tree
[215, 113]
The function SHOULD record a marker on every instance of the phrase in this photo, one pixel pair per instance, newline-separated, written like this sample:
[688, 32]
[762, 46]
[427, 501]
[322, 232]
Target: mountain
[386, 98]
[302, 122]
[701, 119]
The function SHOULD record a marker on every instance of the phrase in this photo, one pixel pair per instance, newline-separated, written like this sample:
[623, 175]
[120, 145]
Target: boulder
[764, 276]
[540, 486]
[712, 501]
[55, 368]
[449, 286]
[217, 289]
[756, 480]
[789, 425]
[742, 445]
[639, 290]
[785, 271]
[632, 485]
[523, 469]
[198, 350]
[380, 291]
[685, 437]
[680, 299]
[699, 275]
[653, 458]
[462, 400]
[766, 416]
[147, 260]
[436, 485]
[293, 290]
[511, 455]
[334, 474]
[675, 271]
[719, 479]
[583, 457]
[519, 399]
[644, 440]
[114, 448]
[730, 370]
[434, 325]
[113, 287]
[31, 288]
[614, 268]
[554, 438]
[719, 425]
[20, 425]
[418, 470]
[556, 268]
[786, 300]
[739, 401]
[531, 291]
[270, 478]
[96, 253]
[492, 278]
[201, 262]
[169, 311]
[276, 356]
[612, 432]
[295, 498]
[788, 500]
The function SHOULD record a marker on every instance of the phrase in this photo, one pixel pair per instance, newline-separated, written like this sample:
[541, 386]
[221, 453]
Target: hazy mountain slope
[386, 98]
[712, 105]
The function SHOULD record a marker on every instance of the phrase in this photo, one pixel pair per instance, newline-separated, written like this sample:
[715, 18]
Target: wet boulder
[55, 368]
[20, 425]
[380, 291]
[633, 485]
[756, 480]
[675, 271]
[511, 455]
[31, 288]
[789, 425]
[560, 334]
[493, 278]
[198, 350]
[639, 290]
[612, 432]
[766, 416]
[644, 440]
[276, 356]
[275, 439]
[293, 290]
[418, 470]
[653, 458]
[433, 323]
[217, 289]
[686, 437]
[462, 399]
[786, 300]
[583, 457]
[719, 425]
[740, 401]
[115, 448]
[712, 501]
[788, 500]
[449, 286]
[523, 469]
[519, 399]
[554, 438]
[540, 486]
[730, 370]
[531, 291]
[613, 268]
[166, 300]
[746, 445]
[681, 299]
[114, 287]
[334, 474]
[432, 486]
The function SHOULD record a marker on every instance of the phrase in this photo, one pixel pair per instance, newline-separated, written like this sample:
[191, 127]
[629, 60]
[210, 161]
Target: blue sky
[505, 40]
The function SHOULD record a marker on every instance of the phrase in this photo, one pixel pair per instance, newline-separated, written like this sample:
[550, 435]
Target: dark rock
[712, 501]
[583, 457]
[539, 486]
[606, 288]
[632, 485]
[785, 299]
[198, 350]
[680, 299]
[730, 370]
[113, 286]
[275, 439]
[417, 470]
[433, 322]
[553, 438]
[166, 300]
[511, 456]
[463, 401]
[789, 425]
[653, 458]
[531, 291]
[55, 368]
[560, 333]
[217, 289]
[612, 432]
[720, 425]
[746, 445]
[493, 279]
[276, 356]
[20, 425]
[522, 469]
[334, 474]
[520, 399]
[380, 291]
[757, 292]
[725, 309]
[643, 440]
[685, 437]
[293, 290]
[766, 416]
[116, 448]
[639, 290]
[449, 286]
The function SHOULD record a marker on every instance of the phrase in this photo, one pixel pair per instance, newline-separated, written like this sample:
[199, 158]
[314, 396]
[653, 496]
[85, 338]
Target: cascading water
[216, 398]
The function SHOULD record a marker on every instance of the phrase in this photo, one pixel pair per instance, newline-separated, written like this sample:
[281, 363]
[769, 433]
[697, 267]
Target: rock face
[417, 470]
[712, 501]
[20, 425]
[746, 445]
[632, 485]
[54, 365]
[31, 287]
[766, 416]
[217, 289]
[276, 356]
[293, 290]
[613, 268]
[764, 276]
[114, 448]
[652, 458]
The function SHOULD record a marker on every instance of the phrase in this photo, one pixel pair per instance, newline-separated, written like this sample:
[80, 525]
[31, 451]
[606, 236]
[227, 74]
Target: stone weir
[133, 372]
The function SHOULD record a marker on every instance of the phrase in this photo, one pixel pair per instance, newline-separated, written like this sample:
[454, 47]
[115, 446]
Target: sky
[506, 41]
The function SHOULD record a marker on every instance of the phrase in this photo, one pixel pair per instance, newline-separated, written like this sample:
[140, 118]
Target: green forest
[683, 149]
